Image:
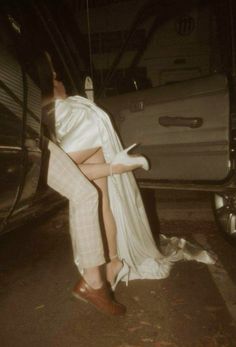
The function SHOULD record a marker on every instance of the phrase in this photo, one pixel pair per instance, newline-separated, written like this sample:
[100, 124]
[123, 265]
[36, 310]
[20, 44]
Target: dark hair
[44, 74]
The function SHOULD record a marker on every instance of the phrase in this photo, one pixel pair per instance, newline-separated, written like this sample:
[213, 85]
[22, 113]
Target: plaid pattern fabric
[66, 178]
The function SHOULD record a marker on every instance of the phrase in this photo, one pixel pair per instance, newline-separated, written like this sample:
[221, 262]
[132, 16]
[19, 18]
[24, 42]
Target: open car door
[20, 154]
[183, 128]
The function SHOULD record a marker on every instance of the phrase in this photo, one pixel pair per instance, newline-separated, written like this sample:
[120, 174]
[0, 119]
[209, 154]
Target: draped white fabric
[80, 124]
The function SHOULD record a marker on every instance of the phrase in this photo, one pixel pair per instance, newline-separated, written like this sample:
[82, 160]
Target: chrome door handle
[189, 122]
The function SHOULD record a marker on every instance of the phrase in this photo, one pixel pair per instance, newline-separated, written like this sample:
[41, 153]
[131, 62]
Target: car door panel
[10, 178]
[20, 154]
[183, 129]
[31, 146]
[11, 155]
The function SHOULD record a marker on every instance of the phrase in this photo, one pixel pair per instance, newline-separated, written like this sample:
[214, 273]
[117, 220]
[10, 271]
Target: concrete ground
[194, 307]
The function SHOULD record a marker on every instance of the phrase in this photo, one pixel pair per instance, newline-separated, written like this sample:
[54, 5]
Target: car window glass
[10, 126]
[11, 91]
[156, 43]
[19, 93]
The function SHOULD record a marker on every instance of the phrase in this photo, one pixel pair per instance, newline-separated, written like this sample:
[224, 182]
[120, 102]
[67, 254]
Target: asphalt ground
[193, 307]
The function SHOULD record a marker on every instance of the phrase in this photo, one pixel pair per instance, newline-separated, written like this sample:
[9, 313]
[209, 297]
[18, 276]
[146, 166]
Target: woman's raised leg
[92, 164]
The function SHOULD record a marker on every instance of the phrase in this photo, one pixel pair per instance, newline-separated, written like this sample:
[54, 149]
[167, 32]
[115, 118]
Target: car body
[185, 130]
[185, 126]
[21, 142]
[20, 147]
[185, 123]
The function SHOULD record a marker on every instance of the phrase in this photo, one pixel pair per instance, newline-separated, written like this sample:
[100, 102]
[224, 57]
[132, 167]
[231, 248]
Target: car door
[11, 158]
[183, 128]
[183, 122]
[20, 154]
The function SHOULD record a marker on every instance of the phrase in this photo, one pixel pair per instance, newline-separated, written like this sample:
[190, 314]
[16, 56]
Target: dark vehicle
[185, 123]
[22, 196]
[179, 104]
[20, 146]
[27, 29]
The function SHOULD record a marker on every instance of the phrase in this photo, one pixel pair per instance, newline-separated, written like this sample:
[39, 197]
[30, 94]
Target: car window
[11, 95]
[20, 92]
[45, 36]
[156, 43]
[10, 127]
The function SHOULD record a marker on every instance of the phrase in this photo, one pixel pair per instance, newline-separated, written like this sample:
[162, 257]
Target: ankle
[112, 269]
[93, 277]
[117, 169]
[113, 257]
[114, 260]
[114, 263]
[93, 283]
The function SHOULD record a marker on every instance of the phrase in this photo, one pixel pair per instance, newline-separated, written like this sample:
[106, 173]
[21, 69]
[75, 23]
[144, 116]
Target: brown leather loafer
[100, 298]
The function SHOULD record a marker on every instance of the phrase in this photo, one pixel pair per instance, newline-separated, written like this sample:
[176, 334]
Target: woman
[85, 132]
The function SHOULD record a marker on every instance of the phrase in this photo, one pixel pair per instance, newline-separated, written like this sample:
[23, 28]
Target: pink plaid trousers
[67, 179]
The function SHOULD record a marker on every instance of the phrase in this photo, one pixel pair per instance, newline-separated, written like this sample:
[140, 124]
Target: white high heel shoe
[124, 271]
[124, 158]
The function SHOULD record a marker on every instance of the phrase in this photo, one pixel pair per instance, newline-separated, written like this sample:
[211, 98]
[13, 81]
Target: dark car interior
[20, 130]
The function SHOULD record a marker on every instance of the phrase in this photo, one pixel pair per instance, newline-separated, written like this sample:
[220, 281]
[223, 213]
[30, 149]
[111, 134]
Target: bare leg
[101, 183]
[114, 266]
[94, 169]
[93, 276]
[81, 156]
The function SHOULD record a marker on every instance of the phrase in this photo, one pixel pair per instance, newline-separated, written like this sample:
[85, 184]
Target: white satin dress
[80, 125]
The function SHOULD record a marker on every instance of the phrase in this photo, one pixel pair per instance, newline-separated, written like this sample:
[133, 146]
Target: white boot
[125, 159]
